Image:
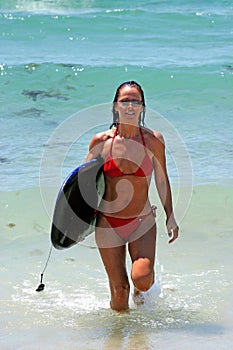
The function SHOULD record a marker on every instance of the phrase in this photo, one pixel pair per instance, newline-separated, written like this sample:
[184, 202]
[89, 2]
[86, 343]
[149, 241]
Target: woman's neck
[128, 131]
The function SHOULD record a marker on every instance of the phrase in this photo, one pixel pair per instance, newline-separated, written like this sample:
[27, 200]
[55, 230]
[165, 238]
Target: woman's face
[129, 105]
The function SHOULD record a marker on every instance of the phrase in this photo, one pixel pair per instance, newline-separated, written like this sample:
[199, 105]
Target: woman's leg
[114, 262]
[142, 252]
[113, 253]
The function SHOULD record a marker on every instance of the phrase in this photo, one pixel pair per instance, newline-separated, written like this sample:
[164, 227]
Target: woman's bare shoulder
[102, 136]
[98, 142]
[153, 136]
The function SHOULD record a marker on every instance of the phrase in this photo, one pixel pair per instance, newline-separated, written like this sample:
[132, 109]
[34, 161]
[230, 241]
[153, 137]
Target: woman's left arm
[163, 186]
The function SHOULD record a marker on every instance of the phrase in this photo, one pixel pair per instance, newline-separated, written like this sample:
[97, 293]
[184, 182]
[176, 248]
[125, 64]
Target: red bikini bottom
[125, 227]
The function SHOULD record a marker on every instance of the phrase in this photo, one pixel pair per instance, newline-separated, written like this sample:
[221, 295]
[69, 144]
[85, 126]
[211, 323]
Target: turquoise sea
[60, 64]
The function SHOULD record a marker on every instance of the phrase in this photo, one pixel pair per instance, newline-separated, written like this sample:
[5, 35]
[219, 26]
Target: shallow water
[190, 302]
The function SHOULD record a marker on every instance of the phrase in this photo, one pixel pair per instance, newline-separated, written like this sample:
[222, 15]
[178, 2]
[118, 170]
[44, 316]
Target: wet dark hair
[132, 83]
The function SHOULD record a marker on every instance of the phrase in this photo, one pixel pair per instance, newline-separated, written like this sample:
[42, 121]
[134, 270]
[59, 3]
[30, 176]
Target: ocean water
[60, 63]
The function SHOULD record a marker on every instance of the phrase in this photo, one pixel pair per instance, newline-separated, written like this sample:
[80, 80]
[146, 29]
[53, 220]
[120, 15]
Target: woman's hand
[172, 229]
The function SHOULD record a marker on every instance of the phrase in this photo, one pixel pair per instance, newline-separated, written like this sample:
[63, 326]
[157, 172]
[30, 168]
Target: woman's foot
[138, 297]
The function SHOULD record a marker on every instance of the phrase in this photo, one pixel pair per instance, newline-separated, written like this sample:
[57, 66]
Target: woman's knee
[142, 274]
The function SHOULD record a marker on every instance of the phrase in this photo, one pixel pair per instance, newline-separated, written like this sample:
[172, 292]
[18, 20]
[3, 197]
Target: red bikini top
[111, 169]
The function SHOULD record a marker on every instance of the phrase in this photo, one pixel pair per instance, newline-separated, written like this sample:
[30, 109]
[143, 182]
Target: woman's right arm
[96, 146]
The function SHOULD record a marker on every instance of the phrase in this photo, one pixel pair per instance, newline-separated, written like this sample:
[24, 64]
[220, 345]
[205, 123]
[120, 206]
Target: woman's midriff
[126, 197]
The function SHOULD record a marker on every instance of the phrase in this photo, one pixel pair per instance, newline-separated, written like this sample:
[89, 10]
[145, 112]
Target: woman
[131, 154]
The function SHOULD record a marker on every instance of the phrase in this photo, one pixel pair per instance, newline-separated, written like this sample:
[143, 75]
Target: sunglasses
[134, 103]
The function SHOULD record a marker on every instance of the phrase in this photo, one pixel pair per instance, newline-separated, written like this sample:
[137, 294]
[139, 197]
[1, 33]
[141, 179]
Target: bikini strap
[142, 136]
[115, 134]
